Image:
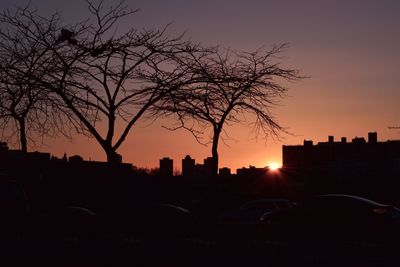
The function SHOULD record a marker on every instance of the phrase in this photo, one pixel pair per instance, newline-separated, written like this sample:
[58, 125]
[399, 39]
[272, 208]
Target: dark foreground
[215, 246]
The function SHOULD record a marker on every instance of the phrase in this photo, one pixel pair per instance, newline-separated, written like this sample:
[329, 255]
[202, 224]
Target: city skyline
[352, 151]
[296, 153]
[348, 50]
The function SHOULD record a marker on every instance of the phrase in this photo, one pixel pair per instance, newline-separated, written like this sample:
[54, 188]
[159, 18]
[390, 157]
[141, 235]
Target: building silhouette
[11, 159]
[359, 153]
[252, 171]
[192, 169]
[208, 166]
[225, 171]
[166, 167]
[188, 166]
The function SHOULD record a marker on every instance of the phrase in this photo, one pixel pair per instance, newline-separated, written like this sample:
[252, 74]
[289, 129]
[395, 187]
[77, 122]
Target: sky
[348, 49]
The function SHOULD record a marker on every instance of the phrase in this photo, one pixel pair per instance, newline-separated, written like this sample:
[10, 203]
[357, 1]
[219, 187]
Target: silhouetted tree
[18, 111]
[230, 86]
[26, 109]
[106, 79]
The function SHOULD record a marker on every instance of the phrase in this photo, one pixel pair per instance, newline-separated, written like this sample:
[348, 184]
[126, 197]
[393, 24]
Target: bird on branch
[66, 35]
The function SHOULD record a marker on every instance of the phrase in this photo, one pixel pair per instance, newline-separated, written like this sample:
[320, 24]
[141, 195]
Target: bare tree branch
[228, 84]
[100, 74]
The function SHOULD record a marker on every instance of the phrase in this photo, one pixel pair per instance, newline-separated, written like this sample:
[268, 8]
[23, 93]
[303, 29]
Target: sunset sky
[349, 50]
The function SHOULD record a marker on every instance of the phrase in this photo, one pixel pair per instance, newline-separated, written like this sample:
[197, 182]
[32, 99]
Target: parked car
[251, 211]
[161, 214]
[163, 220]
[336, 216]
[69, 221]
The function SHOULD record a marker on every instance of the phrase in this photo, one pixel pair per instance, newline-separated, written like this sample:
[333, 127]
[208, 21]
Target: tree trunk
[22, 135]
[112, 156]
[214, 152]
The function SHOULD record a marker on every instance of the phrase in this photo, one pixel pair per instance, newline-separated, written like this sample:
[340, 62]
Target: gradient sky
[348, 48]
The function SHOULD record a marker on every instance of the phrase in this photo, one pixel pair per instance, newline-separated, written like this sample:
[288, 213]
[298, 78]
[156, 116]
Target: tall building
[166, 167]
[188, 166]
[373, 137]
[208, 166]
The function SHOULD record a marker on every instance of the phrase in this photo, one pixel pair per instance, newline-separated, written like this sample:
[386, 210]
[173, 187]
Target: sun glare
[273, 166]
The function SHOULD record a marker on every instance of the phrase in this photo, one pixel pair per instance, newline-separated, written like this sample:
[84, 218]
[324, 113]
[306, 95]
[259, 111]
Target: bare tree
[26, 108]
[231, 87]
[18, 110]
[105, 79]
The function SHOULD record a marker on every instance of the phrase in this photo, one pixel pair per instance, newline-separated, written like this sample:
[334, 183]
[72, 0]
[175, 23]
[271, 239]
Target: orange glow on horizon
[342, 100]
[274, 166]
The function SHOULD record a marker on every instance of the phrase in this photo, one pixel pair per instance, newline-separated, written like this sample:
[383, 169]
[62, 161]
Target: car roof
[351, 197]
[264, 201]
[268, 200]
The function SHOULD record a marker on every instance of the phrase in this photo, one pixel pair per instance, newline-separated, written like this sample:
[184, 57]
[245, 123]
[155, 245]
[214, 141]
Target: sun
[273, 166]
